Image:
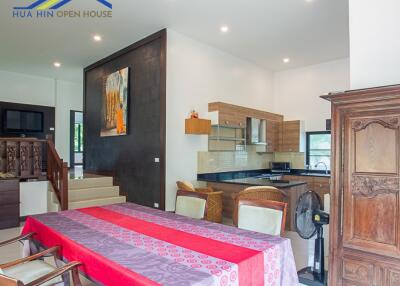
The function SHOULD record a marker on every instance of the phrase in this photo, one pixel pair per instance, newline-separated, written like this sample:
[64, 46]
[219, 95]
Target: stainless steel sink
[315, 174]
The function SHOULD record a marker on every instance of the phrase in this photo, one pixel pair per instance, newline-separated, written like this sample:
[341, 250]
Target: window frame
[308, 144]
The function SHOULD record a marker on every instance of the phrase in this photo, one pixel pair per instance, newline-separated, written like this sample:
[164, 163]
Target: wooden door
[370, 206]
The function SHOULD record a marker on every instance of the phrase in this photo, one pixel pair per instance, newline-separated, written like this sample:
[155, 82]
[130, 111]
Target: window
[318, 150]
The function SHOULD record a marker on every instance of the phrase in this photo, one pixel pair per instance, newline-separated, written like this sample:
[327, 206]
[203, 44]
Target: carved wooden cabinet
[365, 205]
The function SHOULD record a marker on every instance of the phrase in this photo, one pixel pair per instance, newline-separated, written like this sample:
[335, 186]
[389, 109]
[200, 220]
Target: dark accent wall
[131, 158]
[48, 119]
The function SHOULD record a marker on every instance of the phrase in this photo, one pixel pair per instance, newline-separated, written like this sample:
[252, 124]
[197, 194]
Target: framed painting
[114, 121]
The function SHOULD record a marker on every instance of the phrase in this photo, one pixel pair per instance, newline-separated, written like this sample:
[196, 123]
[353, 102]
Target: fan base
[308, 277]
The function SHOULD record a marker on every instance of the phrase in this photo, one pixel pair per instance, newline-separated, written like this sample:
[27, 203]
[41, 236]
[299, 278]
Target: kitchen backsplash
[212, 162]
[296, 159]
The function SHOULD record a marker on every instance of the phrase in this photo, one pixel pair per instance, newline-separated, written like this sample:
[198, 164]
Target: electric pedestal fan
[309, 219]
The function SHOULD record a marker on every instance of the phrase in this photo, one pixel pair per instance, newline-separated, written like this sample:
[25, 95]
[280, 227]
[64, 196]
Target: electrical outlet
[157, 160]
[156, 205]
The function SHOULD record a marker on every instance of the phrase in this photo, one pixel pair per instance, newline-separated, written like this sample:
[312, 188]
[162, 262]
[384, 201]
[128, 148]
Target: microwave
[280, 167]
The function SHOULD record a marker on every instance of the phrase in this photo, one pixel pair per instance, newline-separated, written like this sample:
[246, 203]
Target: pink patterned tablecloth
[128, 244]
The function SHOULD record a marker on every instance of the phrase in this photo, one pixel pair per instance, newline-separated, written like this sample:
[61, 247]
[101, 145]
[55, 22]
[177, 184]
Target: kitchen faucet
[326, 166]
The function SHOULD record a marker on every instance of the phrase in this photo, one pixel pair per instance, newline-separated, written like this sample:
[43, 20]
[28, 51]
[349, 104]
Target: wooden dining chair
[263, 216]
[214, 200]
[258, 193]
[34, 271]
[191, 204]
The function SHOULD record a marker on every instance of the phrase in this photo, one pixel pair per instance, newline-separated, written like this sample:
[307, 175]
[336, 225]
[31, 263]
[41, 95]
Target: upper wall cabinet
[197, 126]
[227, 118]
[291, 136]
[235, 116]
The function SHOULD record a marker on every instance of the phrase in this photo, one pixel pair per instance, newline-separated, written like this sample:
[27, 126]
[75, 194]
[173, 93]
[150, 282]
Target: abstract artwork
[114, 120]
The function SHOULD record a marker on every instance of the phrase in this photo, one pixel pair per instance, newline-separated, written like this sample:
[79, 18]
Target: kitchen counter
[224, 176]
[252, 181]
[293, 184]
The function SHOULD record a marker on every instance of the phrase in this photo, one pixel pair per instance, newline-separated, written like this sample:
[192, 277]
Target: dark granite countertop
[280, 184]
[259, 177]
[221, 176]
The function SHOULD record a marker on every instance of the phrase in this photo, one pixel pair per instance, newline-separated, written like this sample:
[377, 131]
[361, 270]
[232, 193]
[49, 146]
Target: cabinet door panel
[392, 277]
[372, 154]
[371, 185]
[358, 271]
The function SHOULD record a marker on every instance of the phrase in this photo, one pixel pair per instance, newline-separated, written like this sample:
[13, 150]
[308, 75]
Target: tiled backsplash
[296, 159]
[212, 162]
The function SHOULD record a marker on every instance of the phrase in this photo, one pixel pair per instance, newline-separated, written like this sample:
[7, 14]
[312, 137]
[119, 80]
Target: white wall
[374, 43]
[22, 88]
[63, 95]
[34, 198]
[297, 91]
[69, 97]
[196, 75]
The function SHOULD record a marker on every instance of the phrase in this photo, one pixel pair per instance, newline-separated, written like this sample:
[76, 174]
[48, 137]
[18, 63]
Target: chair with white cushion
[263, 216]
[191, 204]
[34, 271]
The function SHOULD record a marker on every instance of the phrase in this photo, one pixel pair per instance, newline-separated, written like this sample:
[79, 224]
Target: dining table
[130, 244]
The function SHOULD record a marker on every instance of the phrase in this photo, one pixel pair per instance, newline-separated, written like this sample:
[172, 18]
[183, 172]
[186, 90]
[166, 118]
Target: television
[21, 121]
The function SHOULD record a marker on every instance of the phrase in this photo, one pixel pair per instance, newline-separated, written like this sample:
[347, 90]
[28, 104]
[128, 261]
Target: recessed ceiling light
[97, 38]
[286, 60]
[224, 29]
[57, 64]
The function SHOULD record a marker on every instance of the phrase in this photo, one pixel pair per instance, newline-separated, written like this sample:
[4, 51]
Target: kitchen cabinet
[9, 203]
[225, 114]
[320, 185]
[230, 190]
[228, 118]
[197, 126]
[365, 200]
[272, 136]
[291, 136]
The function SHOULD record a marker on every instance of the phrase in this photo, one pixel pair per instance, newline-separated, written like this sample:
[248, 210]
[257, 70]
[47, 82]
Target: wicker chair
[257, 193]
[214, 200]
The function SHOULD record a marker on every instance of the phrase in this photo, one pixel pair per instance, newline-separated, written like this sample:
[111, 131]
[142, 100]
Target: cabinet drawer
[9, 216]
[358, 271]
[9, 185]
[9, 197]
[321, 187]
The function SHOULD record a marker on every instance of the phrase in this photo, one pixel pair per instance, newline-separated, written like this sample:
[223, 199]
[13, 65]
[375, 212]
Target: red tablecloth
[128, 244]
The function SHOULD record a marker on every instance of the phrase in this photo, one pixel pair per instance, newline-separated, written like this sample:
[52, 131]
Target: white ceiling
[261, 31]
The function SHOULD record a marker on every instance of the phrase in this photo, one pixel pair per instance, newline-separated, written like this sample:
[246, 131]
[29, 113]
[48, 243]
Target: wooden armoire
[365, 205]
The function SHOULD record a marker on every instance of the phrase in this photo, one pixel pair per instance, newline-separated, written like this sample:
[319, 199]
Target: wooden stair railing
[57, 174]
[23, 158]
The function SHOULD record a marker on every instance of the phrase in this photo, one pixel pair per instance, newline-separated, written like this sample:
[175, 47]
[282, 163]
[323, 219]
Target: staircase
[89, 192]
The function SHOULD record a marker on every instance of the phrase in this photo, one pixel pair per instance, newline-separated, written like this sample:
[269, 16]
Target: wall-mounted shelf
[226, 138]
[197, 126]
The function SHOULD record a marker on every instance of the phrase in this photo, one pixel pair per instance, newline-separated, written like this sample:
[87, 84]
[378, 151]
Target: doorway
[76, 138]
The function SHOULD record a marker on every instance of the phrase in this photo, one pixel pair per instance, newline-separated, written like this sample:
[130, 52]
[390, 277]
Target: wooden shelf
[197, 126]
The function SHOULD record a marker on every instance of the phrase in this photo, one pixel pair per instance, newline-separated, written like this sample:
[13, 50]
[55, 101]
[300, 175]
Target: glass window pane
[319, 152]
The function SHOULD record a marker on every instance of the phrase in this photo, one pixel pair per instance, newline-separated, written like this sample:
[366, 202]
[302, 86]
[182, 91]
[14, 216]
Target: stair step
[87, 183]
[96, 202]
[92, 193]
